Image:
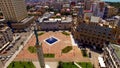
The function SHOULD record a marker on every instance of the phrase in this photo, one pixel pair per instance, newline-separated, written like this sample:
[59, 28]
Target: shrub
[49, 55]
[67, 49]
[32, 49]
[65, 33]
[39, 34]
[19, 64]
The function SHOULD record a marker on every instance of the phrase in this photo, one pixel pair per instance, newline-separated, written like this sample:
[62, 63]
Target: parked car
[4, 52]
[12, 53]
[3, 58]
[8, 56]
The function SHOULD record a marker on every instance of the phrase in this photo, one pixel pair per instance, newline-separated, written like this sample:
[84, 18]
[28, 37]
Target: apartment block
[6, 36]
[13, 10]
[15, 14]
[111, 56]
[95, 32]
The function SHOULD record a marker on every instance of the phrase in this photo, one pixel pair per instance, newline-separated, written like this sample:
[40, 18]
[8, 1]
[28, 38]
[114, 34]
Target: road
[7, 56]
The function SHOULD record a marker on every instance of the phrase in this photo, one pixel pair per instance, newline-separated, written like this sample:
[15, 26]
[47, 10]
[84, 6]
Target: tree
[13, 64]
[24, 66]
[60, 65]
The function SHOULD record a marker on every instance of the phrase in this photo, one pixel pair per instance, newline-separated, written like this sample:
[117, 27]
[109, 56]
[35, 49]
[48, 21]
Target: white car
[12, 53]
[3, 58]
[9, 56]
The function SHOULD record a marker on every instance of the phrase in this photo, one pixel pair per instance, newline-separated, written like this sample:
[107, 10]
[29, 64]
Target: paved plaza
[73, 55]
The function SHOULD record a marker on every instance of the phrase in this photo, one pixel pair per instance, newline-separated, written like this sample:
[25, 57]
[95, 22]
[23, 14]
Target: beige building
[95, 32]
[13, 10]
[111, 11]
[6, 36]
[2, 40]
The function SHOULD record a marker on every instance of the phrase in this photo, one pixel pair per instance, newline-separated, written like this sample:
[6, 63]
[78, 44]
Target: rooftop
[117, 49]
[27, 19]
[47, 17]
[95, 19]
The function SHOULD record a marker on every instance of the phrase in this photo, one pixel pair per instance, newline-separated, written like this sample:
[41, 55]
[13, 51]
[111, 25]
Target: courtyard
[56, 48]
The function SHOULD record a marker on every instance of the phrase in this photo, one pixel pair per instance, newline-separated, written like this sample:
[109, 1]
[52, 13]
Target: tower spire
[39, 50]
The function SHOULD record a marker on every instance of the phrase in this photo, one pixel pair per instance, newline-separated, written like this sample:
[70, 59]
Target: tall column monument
[39, 50]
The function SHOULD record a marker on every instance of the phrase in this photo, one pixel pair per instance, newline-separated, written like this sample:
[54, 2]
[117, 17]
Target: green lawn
[67, 49]
[39, 34]
[66, 65]
[19, 64]
[65, 33]
[72, 65]
[49, 55]
[85, 64]
[32, 49]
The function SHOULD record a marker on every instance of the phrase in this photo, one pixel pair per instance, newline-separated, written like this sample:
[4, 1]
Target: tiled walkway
[73, 55]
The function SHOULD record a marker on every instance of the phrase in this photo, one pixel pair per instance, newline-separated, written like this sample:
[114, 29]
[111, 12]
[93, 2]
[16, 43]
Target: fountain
[51, 40]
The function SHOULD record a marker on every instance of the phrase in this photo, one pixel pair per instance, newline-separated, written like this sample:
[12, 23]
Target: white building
[58, 23]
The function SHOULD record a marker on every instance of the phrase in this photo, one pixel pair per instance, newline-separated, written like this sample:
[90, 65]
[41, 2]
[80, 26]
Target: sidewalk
[73, 41]
[77, 65]
[17, 52]
[94, 59]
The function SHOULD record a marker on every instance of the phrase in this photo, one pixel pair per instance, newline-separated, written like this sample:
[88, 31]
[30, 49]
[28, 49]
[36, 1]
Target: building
[6, 36]
[56, 5]
[67, 5]
[88, 5]
[52, 22]
[14, 12]
[111, 56]
[87, 15]
[25, 24]
[100, 9]
[95, 32]
[60, 0]
[94, 8]
[2, 40]
[110, 11]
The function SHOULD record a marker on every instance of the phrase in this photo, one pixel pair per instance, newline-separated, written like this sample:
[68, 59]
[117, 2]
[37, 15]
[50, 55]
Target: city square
[73, 55]
[59, 33]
